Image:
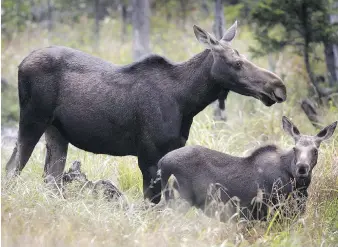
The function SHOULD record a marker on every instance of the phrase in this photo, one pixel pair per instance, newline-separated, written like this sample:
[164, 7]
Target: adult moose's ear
[290, 128]
[230, 33]
[325, 133]
[205, 38]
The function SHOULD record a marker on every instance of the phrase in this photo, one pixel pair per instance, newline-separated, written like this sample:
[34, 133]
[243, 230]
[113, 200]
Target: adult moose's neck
[195, 89]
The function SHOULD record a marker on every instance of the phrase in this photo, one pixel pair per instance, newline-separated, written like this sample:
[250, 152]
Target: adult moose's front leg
[185, 129]
[151, 187]
[148, 157]
[161, 133]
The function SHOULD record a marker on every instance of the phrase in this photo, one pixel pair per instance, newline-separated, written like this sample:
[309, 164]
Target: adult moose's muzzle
[274, 92]
[279, 93]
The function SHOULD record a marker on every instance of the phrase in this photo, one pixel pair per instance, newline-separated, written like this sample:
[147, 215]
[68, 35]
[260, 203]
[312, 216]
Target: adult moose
[266, 176]
[143, 109]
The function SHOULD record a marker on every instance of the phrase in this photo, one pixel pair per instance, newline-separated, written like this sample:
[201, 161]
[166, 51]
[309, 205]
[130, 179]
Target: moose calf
[261, 177]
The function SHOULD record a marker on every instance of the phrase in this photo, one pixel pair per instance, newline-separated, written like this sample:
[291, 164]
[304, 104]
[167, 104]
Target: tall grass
[33, 215]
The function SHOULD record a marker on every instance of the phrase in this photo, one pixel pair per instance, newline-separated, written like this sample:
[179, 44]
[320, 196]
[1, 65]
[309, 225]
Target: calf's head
[306, 148]
[233, 71]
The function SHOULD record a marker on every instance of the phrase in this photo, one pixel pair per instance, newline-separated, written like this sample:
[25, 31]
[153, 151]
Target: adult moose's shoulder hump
[143, 109]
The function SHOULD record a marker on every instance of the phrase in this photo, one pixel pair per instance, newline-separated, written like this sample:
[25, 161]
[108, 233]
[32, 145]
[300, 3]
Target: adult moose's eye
[238, 65]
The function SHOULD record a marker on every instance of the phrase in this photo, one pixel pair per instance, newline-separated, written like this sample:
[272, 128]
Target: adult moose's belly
[95, 131]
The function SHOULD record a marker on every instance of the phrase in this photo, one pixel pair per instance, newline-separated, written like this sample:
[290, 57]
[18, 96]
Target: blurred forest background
[284, 36]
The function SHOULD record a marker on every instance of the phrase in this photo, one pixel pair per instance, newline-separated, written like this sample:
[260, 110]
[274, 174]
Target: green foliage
[10, 107]
[296, 23]
[232, 12]
[14, 15]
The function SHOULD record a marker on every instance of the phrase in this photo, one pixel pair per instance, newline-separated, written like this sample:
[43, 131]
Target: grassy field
[31, 215]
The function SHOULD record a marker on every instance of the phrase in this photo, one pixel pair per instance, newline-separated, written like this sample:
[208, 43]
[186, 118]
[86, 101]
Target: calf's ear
[205, 38]
[290, 128]
[325, 133]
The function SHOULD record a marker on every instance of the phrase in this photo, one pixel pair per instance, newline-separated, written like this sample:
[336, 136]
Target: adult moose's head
[306, 148]
[234, 72]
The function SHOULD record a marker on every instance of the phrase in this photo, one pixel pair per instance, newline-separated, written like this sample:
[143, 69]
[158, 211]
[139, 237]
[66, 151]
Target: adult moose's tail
[24, 88]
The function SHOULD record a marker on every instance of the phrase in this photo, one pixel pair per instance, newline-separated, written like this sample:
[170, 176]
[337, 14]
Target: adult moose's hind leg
[56, 154]
[29, 135]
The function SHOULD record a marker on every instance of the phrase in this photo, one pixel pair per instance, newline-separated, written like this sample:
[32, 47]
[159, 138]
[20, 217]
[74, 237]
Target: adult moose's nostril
[278, 98]
[279, 94]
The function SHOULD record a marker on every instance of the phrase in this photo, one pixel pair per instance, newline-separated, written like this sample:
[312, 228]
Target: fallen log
[311, 112]
[110, 191]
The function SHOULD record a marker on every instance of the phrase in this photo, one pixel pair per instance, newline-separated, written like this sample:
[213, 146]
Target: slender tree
[50, 15]
[124, 19]
[205, 8]
[331, 49]
[219, 22]
[218, 28]
[141, 29]
[97, 22]
[184, 9]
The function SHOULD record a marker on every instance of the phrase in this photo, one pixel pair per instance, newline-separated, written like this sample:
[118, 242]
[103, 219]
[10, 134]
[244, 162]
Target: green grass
[31, 215]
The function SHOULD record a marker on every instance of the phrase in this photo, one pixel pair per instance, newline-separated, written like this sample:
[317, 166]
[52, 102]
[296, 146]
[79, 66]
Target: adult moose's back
[143, 109]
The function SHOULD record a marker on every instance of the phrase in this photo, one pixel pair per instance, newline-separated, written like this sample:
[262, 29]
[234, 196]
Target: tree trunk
[50, 15]
[205, 8]
[140, 16]
[168, 11]
[311, 112]
[331, 51]
[218, 28]
[219, 19]
[183, 4]
[97, 23]
[18, 13]
[310, 72]
[123, 21]
[331, 62]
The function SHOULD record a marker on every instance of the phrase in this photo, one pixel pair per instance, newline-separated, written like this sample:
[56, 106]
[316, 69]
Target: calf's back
[196, 168]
